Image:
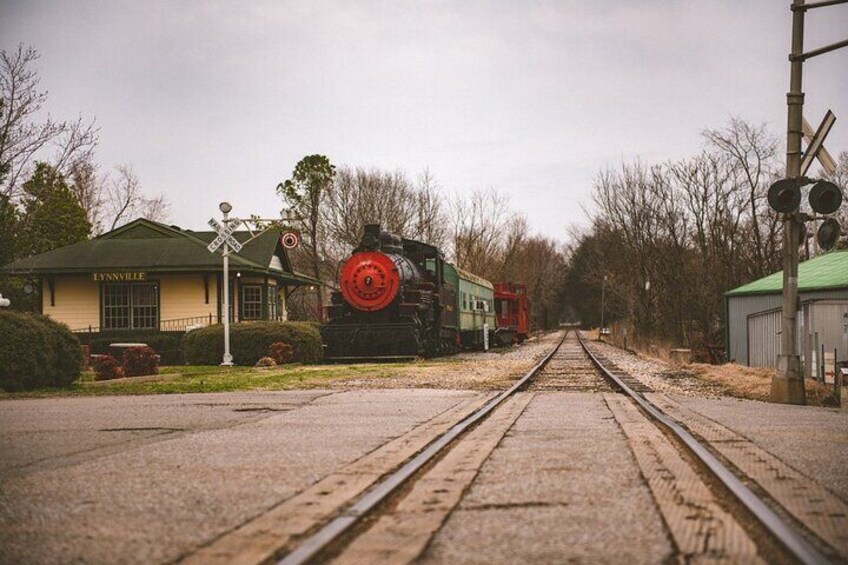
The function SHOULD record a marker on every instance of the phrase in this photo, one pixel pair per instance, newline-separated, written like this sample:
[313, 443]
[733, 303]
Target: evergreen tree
[52, 215]
[9, 226]
[304, 193]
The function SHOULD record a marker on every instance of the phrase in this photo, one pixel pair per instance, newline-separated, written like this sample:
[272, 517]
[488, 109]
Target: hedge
[36, 352]
[250, 341]
[165, 344]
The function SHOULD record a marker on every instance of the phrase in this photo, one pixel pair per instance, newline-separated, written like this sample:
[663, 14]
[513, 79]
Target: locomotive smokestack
[371, 238]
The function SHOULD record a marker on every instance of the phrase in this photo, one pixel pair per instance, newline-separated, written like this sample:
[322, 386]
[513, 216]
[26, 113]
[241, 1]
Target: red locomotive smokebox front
[370, 281]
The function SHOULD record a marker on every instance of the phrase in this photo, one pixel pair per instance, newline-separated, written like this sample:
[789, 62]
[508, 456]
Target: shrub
[280, 352]
[36, 352]
[251, 340]
[68, 355]
[266, 362]
[166, 344]
[107, 368]
[139, 361]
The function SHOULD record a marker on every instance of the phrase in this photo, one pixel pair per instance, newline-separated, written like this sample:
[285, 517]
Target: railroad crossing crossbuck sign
[225, 235]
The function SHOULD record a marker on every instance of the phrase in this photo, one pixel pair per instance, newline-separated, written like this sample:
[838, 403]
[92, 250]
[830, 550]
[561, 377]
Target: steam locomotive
[399, 298]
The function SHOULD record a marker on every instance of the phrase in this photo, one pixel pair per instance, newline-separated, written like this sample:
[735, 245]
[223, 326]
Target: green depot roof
[143, 245]
[826, 271]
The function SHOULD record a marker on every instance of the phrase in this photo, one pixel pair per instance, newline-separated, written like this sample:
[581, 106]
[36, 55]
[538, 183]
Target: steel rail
[790, 538]
[333, 530]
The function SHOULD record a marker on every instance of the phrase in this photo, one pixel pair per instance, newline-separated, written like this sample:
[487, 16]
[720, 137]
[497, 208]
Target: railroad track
[571, 366]
[570, 369]
[786, 535]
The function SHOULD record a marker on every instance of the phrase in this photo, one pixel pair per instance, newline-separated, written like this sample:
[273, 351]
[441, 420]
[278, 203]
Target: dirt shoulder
[699, 379]
[493, 370]
[753, 383]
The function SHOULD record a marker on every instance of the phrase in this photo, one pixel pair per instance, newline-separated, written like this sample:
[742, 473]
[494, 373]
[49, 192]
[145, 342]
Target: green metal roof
[143, 245]
[824, 272]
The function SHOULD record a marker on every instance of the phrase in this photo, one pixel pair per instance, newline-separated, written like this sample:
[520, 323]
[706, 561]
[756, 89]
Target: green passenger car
[475, 303]
[474, 306]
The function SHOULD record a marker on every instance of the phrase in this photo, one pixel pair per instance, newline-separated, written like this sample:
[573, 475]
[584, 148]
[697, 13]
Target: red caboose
[513, 312]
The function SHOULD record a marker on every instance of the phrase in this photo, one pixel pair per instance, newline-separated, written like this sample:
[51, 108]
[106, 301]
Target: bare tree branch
[22, 137]
[126, 201]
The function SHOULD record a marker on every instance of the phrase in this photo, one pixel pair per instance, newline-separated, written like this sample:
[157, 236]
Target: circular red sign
[289, 240]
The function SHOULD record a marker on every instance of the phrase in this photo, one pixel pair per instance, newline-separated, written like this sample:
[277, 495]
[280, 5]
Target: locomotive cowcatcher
[394, 301]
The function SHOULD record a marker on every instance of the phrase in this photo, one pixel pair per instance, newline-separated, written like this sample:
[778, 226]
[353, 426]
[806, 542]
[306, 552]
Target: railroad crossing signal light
[825, 197]
[829, 233]
[785, 196]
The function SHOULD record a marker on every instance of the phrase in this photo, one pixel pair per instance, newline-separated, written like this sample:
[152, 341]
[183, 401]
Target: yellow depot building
[150, 276]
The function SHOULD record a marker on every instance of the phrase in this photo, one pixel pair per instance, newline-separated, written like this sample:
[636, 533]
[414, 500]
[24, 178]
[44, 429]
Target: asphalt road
[151, 479]
[145, 479]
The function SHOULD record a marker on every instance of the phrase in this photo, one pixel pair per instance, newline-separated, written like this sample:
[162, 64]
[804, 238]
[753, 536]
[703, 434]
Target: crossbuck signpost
[228, 244]
[225, 238]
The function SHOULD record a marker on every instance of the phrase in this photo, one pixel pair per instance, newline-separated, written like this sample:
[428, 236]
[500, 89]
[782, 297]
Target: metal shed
[753, 314]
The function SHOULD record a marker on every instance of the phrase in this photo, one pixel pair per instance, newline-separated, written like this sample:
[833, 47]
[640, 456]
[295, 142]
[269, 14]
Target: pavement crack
[511, 505]
[261, 409]
[143, 429]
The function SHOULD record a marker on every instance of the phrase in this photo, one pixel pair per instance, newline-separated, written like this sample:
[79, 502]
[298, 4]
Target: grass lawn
[212, 378]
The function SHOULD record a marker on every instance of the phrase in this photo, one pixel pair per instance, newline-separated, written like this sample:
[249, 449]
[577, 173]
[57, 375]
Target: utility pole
[787, 385]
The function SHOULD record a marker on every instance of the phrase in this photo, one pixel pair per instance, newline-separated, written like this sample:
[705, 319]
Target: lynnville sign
[118, 277]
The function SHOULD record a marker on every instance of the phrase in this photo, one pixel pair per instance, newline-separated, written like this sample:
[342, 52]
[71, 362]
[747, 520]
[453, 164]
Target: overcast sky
[219, 100]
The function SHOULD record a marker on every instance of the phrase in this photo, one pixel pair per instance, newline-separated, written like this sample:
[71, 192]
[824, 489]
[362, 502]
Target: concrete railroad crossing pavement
[550, 477]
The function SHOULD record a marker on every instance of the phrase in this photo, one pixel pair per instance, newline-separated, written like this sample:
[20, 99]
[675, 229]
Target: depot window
[130, 306]
[251, 302]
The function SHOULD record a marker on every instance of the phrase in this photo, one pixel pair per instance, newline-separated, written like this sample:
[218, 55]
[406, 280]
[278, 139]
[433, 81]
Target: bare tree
[363, 196]
[478, 224]
[87, 186]
[431, 222]
[124, 199]
[672, 238]
[753, 150]
[22, 136]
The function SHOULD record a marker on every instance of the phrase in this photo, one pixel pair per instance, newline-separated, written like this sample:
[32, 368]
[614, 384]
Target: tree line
[667, 240]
